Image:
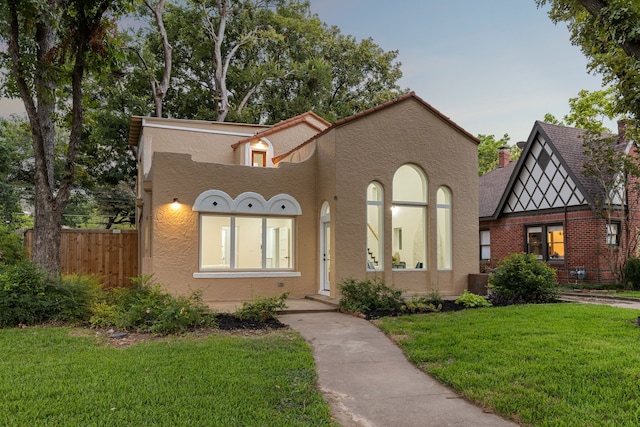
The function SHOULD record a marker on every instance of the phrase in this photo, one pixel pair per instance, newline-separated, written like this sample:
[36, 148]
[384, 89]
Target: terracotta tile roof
[301, 118]
[378, 108]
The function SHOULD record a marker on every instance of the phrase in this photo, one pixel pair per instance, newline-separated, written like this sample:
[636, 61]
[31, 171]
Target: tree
[608, 33]
[52, 45]
[265, 61]
[488, 152]
[588, 111]
[617, 195]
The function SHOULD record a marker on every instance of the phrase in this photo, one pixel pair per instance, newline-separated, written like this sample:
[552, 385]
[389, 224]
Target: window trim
[485, 245]
[379, 204]
[232, 255]
[448, 209]
[544, 241]
[617, 226]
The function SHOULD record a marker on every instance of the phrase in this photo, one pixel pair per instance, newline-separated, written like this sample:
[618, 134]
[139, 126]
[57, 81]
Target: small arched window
[375, 227]
[409, 217]
[444, 226]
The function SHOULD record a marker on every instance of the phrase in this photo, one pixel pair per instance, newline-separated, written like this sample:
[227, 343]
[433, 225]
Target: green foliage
[369, 297]
[262, 309]
[11, 249]
[607, 34]
[423, 304]
[488, 152]
[145, 307]
[520, 278]
[470, 300]
[632, 272]
[29, 296]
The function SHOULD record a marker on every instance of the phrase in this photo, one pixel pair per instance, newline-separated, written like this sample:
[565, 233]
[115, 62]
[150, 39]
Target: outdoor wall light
[175, 200]
[176, 203]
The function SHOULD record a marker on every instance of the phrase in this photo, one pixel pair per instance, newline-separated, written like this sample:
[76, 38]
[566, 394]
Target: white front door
[325, 258]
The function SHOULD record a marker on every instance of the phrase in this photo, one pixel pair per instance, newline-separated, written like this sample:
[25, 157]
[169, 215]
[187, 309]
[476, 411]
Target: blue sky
[492, 66]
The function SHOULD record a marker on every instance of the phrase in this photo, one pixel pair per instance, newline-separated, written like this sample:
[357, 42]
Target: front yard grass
[68, 377]
[541, 365]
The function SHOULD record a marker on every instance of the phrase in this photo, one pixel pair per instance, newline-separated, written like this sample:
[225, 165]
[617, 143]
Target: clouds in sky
[493, 66]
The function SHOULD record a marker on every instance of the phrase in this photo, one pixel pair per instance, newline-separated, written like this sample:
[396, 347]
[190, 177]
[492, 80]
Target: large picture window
[245, 243]
[375, 229]
[409, 218]
[546, 242]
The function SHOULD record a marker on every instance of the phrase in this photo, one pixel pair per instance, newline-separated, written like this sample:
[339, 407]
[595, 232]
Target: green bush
[145, 307]
[262, 309]
[423, 304]
[23, 294]
[11, 249]
[631, 272]
[520, 278]
[470, 300]
[28, 296]
[369, 297]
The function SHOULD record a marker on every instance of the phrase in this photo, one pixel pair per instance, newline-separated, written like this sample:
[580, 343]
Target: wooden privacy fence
[110, 254]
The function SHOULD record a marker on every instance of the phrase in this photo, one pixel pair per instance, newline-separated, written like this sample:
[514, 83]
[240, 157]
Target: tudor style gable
[543, 181]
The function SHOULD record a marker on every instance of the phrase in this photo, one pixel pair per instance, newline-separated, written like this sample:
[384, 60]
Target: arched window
[375, 202]
[409, 213]
[443, 199]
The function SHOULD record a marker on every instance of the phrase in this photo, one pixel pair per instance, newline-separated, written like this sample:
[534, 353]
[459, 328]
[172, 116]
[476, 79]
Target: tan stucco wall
[288, 139]
[204, 147]
[373, 148]
[337, 169]
[175, 246]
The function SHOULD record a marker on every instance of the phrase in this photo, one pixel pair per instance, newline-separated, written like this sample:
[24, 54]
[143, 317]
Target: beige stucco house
[240, 210]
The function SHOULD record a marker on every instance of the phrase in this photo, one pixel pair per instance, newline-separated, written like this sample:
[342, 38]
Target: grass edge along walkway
[554, 364]
[67, 377]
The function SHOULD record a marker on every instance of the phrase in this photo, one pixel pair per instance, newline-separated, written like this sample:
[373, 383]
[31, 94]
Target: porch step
[311, 304]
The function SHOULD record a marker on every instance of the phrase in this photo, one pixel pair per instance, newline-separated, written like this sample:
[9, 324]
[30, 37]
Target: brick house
[544, 204]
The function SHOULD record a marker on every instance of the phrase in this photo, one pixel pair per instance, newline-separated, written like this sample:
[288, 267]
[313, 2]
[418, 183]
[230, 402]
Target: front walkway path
[368, 381]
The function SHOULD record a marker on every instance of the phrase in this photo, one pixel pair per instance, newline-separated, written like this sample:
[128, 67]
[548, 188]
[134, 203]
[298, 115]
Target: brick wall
[584, 239]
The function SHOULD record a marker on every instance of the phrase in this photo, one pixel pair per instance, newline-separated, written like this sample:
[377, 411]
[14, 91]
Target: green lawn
[542, 365]
[631, 294]
[67, 377]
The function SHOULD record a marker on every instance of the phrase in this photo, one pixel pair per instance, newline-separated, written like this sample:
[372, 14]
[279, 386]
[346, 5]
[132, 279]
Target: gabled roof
[495, 187]
[357, 116]
[280, 126]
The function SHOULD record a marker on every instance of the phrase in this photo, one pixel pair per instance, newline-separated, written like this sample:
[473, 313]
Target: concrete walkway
[368, 381]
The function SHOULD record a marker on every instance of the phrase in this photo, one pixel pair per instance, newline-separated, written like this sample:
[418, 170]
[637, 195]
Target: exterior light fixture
[175, 200]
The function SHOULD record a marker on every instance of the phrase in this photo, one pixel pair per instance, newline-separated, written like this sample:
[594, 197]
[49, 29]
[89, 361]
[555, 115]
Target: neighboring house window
[613, 236]
[375, 228]
[246, 233]
[244, 242]
[485, 245]
[409, 217]
[259, 159]
[443, 209]
[546, 242]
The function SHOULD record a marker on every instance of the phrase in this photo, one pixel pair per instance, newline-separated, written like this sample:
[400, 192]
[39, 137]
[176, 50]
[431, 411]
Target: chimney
[622, 131]
[504, 156]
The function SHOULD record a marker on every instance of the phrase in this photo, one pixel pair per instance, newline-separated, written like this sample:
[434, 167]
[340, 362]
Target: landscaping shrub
[145, 307]
[11, 249]
[28, 296]
[262, 309]
[631, 272]
[470, 300]
[423, 304]
[370, 297]
[520, 278]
